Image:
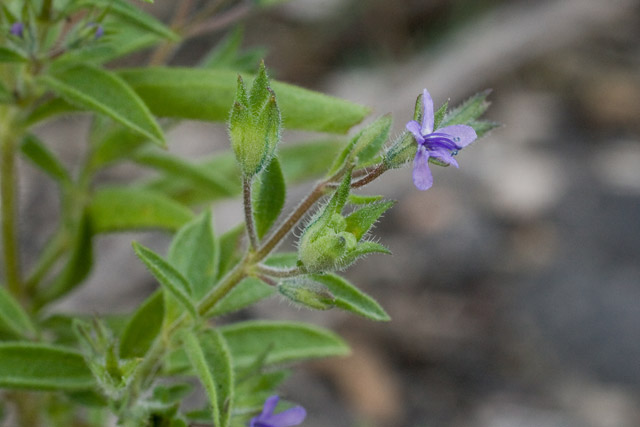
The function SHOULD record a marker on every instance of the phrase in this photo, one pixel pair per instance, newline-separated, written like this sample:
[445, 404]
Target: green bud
[401, 151]
[307, 293]
[254, 124]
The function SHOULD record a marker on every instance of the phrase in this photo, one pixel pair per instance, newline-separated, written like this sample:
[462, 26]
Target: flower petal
[422, 178]
[414, 128]
[461, 135]
[269, 406]
[444, 156]
[288, 418]
[427, 113]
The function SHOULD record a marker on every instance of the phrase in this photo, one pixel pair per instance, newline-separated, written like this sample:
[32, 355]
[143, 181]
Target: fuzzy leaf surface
[349, 297]
[102, 91]
[143, 327]
[269, 198]
[32, 366]
[202, 94]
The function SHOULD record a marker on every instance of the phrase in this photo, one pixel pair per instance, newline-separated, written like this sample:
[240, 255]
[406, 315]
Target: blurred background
[514, 287]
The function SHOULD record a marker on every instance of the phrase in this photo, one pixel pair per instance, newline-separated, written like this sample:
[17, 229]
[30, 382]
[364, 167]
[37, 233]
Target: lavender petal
[288, 418]
[461, 135]
[414, 128]
[422, 178]
[444, 156]
[269, 406]
[427, 113]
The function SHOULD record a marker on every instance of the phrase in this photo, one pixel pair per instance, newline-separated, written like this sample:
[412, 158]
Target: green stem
[9, 136]
[248, 213]
[52, 252]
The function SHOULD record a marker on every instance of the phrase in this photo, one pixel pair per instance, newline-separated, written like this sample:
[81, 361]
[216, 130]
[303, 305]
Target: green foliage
[468, 111]
[211, 361]
[143, 327]
[122, 208]
[360, 221]
[170, 278]
[350, 298]
[269, 197]
[247, 292]
[208, 94]
[33, 366]
[286, 342]
[102, 91]
[42, 157]
[10, 55]
[307, 293]
[194, 253]
[13, 319]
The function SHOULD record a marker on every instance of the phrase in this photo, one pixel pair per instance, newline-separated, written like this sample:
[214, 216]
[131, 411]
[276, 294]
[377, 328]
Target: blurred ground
[515, 283]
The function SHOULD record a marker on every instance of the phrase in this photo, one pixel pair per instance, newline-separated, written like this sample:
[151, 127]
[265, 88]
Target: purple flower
[290, 417]
[17, 29]
[99, 32]
[441, 145]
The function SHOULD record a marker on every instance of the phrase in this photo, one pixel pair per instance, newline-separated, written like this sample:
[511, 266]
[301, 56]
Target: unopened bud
[17, 29]
[307, 293]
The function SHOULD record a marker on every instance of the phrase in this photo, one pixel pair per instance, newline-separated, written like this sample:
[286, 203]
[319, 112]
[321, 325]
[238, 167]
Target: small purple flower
[99, 32]
[441, 145]
[291, 417]
[17, 29]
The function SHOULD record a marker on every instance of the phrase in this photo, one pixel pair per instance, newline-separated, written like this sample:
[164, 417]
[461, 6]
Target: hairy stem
[9, 135]
[291, 221]
[248, 213]
[280, 272]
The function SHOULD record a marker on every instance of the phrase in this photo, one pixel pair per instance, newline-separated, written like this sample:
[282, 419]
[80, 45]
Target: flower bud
[17, 29]
[254, 124]
[307, 293]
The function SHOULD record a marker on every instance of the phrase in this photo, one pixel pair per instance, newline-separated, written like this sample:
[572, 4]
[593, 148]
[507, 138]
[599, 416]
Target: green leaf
[48, 109]
[246, 293]
[167, 276]
[211, 360]
[482, 127]
[439, 115]
[42, 367]
[229, 250]
[227, 54]
[269, 196]
[209, 94]
[350, 298]
[133, 15]
[468, 111]
[208, 178]
[102, 91]
[121, 208]
[43, 158]
[194, 253]
[372, 138]
[5, 95]
[269, 3]
[116, 144]
[77, 267]
[289, 341]
[143, 327]
[13, 318]
[360, 222]
[359, 199]
[10, 55]
[299, 162]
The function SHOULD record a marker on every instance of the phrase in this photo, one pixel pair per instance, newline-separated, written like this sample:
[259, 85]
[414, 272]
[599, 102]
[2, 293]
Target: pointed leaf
[468, 111]
[350, 298]
[359, 199]
[100, 90]
[372, 139]
[42, 157]
[211, 361]
[176, 167]
[361, 221]
[194, 253]
[270, 193]
[439, 115]
[246, 293]
[230, 253]
[10, 55]
[482, 127]
[289, 341]
[143, 327]
[208, 95]
[121, 208]
[42, 367]
[13, 318]
[77, 267]
[167, 276]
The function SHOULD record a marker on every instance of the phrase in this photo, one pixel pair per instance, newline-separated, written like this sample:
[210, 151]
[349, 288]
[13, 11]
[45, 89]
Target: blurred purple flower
[441, 145]
[17, 29]
[291, 417]
[99, 32]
